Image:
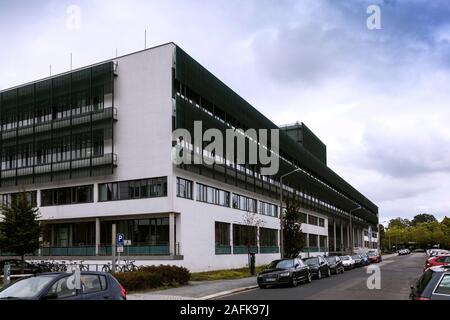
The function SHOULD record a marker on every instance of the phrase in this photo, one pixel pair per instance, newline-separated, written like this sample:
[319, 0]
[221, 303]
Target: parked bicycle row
[32, 267]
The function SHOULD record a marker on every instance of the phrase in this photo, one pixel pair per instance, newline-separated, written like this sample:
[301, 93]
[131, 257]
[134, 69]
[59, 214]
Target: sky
[378, 98]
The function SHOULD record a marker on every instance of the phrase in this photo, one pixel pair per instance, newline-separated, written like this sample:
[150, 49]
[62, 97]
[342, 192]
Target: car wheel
[261, 286]
[329, 273]
[319, 275]
[309, 278]
[294, 282]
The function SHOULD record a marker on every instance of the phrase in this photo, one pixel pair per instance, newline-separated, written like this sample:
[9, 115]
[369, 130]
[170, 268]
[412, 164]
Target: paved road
[398, 273]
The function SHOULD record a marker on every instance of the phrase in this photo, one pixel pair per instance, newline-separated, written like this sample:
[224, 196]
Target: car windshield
[26, 288]
[330, 259]
[356, 257]
[312, 261]
[345, 258]
[281, 264]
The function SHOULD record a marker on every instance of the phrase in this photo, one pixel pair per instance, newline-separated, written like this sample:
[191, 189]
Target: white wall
[198, 227]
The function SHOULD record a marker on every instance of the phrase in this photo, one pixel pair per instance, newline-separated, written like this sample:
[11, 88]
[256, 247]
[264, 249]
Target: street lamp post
[351, 228]
[281, 211]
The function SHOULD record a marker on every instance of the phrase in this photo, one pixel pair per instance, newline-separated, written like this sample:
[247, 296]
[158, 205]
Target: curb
[224, 293]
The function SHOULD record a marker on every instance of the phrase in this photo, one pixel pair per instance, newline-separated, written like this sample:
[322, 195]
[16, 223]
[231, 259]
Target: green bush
[153, 277]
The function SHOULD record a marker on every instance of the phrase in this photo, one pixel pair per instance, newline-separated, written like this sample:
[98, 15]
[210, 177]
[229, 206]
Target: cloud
[377, 98]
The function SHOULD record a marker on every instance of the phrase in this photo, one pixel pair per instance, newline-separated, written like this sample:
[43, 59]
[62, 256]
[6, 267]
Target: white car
[347, 262]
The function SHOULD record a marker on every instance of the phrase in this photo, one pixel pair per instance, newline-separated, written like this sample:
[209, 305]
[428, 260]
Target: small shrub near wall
[153, 277]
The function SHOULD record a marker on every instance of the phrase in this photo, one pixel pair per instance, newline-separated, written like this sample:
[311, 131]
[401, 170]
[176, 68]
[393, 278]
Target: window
[302, 217]
[313, 220]
[213, 195]
[244, 203]
[70, 195]
[444, 285]
[244, 235]
[323, 241]
[313, 240]
[268, 237]
[141, 232]
[222, 231]
[184, 188]
[64, 287]
[30, 195]
[268, 209]
[134, 189]
[92, 283]
[321, 222]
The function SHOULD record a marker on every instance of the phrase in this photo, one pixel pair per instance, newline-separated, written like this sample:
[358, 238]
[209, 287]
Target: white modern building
[93, 147]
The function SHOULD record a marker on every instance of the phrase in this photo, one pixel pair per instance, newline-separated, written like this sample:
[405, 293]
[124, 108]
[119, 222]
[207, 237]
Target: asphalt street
[397, 274]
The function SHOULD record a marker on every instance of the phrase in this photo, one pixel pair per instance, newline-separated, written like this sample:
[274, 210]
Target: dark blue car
[63, 286]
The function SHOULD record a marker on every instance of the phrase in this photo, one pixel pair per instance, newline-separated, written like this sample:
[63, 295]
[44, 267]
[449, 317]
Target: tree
[399, 223]
[292, 233]
[20, 229]
[421, 218]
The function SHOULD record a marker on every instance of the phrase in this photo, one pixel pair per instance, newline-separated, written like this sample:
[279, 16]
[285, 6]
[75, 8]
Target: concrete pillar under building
[172, 244]
[342, 237]
[348, 237]
[97, 236]
[334, 235]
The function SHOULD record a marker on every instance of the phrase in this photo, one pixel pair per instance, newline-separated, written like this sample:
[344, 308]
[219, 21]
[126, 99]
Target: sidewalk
[198, 290]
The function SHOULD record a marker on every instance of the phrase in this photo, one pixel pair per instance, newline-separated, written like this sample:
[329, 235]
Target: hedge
[153, 277]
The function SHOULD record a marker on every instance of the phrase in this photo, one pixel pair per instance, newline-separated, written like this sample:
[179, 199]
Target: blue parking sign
[120, 239]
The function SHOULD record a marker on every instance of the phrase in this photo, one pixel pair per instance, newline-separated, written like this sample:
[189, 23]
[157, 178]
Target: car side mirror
[296, 265]
[51, 296]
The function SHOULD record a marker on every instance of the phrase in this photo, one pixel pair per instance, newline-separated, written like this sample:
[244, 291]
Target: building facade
[93, 147]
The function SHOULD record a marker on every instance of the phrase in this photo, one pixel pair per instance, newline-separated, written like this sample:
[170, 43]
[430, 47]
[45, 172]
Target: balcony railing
[59, 166]
[244, 249]
[74, 120]
[223, 249]
[269, 249]
[156, 249]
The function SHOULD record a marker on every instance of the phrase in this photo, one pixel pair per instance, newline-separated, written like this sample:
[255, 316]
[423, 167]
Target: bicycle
[129, 266]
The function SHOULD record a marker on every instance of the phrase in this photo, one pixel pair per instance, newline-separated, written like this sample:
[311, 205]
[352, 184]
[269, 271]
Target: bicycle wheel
[106, 269]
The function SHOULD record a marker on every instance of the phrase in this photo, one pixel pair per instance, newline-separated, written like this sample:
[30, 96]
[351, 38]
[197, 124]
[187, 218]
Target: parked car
[402, 252]
[62, 286]
[438, 252]
[335, 264]
[284, 271]
[358, 260]
[434, 284]
[374, 257]
[16, 267]
[347, 262]
[437, 261]
[365, 258]
[318, 266]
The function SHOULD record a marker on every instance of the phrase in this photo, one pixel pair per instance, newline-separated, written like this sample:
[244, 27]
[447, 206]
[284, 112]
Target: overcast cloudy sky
[379, 99]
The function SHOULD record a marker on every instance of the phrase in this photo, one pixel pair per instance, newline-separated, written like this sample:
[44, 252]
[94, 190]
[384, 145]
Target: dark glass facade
[133, 189]
[69, 195]
[55, 129]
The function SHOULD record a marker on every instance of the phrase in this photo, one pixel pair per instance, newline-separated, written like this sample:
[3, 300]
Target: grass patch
[224, 274]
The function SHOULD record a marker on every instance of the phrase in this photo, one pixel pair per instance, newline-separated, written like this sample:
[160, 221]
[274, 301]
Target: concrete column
[52, 240]
[318, 242]
[172, 243]
[70, 235]
[348, 237]
[97, 236]
[334, 234]
[342, 237]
